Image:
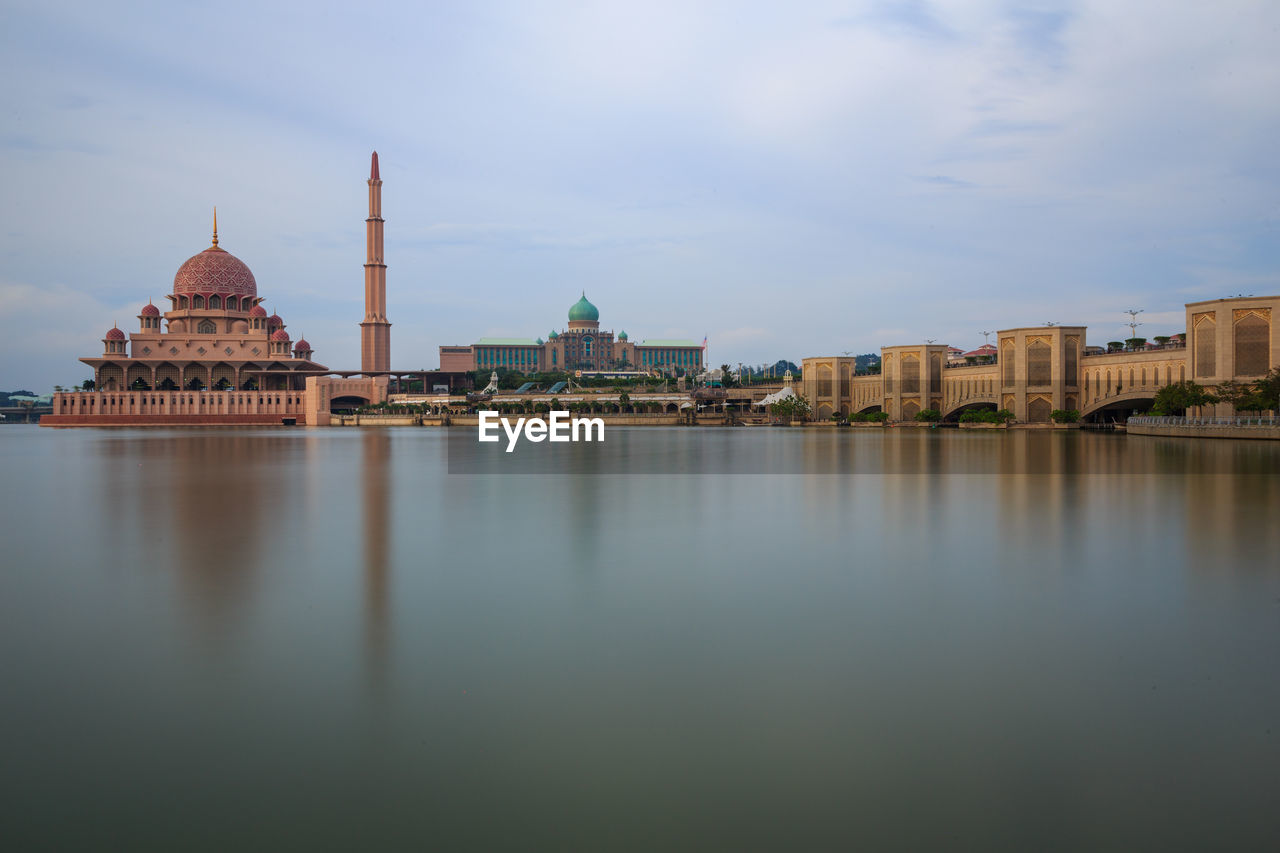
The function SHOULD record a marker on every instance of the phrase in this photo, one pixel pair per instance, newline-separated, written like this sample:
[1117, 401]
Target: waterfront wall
[175, 408]
[1249, 428]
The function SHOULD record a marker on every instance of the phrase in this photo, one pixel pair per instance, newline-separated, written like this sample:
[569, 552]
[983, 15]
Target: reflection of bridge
[1042, 368]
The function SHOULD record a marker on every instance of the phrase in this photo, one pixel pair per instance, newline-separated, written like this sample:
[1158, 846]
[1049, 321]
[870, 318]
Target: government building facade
[581, 345]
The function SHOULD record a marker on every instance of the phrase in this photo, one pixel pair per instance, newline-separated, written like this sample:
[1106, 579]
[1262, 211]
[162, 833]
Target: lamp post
[1133, 323]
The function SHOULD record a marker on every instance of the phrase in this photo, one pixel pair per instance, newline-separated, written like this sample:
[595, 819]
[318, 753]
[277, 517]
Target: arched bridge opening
[953, 414]
[347, 404]
[1117, 409]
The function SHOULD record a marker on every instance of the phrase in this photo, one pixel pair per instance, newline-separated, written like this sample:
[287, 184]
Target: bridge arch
[972, 405]
[347, 403]
[1139, 399]
[958, 408]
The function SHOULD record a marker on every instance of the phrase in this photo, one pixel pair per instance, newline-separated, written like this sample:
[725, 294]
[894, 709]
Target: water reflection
[376, 511]
[200, 505]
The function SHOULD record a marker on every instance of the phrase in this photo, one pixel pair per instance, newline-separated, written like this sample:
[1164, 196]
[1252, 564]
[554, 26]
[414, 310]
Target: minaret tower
[375, 331]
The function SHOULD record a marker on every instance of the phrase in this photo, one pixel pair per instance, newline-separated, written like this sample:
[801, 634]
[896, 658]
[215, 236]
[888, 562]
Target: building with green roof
[581, 345]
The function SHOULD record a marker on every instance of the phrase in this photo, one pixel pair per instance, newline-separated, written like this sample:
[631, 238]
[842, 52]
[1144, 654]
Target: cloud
[834, 173]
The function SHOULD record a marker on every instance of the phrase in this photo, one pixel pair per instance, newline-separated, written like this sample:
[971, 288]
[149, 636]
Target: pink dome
[274, 320]
[149, 310]
[114, 334]
[280, 335]
[215, 271]
[257, 311]
[302, 345]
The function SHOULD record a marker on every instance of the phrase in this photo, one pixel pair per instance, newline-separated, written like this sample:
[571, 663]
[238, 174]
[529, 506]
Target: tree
[929, 416]
[1065, 416]
[1268, 389]
[1175, 399]
[791, 407]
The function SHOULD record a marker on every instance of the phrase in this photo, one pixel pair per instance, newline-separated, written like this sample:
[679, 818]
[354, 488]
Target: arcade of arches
[1042, 368]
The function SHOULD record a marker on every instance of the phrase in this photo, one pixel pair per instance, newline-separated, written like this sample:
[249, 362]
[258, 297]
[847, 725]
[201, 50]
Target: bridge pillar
[1039, 370]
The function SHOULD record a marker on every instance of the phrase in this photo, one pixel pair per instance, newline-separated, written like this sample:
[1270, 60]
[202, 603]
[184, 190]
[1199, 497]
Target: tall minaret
[375, 331]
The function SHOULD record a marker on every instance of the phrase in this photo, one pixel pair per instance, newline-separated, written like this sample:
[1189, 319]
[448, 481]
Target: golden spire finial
[215, 225]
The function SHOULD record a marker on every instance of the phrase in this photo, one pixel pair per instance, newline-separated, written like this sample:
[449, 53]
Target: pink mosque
[216, 357]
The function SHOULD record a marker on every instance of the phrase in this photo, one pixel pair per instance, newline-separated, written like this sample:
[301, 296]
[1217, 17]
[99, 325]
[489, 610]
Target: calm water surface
[305, 639]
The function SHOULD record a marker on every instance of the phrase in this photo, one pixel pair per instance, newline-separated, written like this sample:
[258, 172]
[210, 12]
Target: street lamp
[1133, 323]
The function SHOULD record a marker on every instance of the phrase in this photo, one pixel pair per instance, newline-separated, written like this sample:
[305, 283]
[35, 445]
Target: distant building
[579, 346]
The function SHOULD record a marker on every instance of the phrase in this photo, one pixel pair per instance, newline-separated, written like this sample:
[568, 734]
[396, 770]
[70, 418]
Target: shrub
[1065, 416]
[929, 416]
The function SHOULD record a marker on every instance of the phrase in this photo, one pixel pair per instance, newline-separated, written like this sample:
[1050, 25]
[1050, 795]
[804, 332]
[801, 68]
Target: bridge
[1038, 369]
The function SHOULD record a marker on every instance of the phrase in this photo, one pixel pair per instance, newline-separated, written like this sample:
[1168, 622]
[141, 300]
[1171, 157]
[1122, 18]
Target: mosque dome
[215, 271]
[301, 345]
[622, 336]
[114, 334]
[274, 320]
[149, 310]
[257, 311]
[280, 335]
[552, 336]
[538, 342]
[584, 312]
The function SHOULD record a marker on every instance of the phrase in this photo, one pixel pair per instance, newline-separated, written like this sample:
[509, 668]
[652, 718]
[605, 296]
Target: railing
[990, 361]
[1131, 351]
[1171, 420]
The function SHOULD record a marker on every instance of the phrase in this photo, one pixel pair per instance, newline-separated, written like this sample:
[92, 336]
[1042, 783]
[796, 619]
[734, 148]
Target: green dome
[622, 336]
[539, 342]
[584, 312]
[552, 336]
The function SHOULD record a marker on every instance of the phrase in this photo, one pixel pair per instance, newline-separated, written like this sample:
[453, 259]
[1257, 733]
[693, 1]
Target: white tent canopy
[777, 397]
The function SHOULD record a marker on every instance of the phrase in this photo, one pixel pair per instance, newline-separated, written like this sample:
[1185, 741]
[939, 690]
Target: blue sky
[787, 179]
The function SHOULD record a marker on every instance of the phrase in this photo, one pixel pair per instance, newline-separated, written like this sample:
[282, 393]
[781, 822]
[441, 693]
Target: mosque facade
[214, 355]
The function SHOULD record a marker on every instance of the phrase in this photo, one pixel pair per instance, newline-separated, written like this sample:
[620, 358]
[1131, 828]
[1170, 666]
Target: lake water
[306, 639]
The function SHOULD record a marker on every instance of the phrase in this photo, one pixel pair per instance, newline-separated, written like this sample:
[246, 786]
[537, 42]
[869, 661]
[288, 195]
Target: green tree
[1268, 389]
[796, 407]
[929, 416]
[1065, 416]
[1175, 399]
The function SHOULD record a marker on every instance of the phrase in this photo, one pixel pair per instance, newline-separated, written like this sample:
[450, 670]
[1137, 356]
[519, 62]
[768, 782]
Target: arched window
[1253, 338]
[206, 327]
[182, 302]
[215, 301]
[197, 301]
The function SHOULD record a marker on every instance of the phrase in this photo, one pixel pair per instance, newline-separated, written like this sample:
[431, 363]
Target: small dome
[215, 271]
[301, 345]
[552, 336]
[114, 334]
[274, 320]
[280, 335]
[622, 336]
[538, 342]
[149, 310]
[257, 311]
[584, 312]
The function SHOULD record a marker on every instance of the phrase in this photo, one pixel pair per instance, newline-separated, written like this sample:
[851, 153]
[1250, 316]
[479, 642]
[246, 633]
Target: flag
[704, 341]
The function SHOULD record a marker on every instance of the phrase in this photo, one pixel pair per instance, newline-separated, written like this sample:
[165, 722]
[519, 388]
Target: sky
[785, 179]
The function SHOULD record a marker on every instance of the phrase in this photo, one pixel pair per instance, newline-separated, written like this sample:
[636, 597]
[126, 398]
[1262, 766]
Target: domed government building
[580, 345]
